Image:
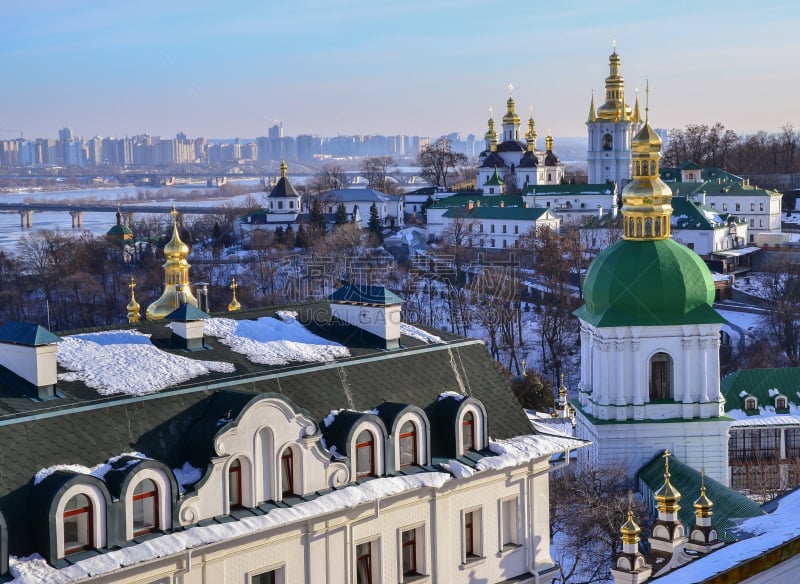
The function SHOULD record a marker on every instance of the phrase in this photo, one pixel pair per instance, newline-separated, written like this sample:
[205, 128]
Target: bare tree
[782, 322]
[437, 161]
[376, 170]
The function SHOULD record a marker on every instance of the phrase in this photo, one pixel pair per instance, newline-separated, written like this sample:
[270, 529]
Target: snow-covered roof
[766, 533]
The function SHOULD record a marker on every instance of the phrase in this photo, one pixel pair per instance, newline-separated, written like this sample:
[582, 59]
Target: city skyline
[363, 68]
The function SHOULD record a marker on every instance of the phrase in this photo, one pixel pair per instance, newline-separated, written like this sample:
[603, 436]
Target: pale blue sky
[225, 69]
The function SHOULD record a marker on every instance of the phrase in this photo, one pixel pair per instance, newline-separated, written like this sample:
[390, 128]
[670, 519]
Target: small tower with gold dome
[669, 533]
[630, 565]
[611, 128]
[510, 119]
[177, 288]
[703, 537]
[133, 306]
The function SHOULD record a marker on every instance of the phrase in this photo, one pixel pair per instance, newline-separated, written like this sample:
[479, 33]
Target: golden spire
[511, 116]
[176, 276]
[667, 497]
[530, 135]
[629, 530]
[703, 505]
[614, 107]
[646, 200]
[133, 306]
[562, 390]
[549, 142]
[284, 168]
[636, 117]
[592, 112]
[234, 304]
[491, 135]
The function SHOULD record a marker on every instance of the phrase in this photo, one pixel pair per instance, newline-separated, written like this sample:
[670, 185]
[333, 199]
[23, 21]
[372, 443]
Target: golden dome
[646, 140]
[667, 497]
[614, 109]
[629, 530]
[175, 248]
[133, 306]
[234, 305]
[511, 117]
[703, 505]
[176, 276]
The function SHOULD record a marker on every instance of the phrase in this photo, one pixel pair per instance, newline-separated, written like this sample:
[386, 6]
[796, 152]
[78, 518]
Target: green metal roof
[26, 333]
[762, 384]
[485, 201]
[187, 312]
[569, 189]
[495, 179]
[507, 213]
[648, 283]
[688, 214]
[724, 187]
[728, 504]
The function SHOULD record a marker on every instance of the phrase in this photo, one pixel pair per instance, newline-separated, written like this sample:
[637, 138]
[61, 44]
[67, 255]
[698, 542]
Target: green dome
[648, 283]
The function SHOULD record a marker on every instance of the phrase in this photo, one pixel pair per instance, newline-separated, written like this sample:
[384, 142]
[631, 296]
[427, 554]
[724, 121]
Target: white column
[624, 392]
[686, 355]
[640, 394]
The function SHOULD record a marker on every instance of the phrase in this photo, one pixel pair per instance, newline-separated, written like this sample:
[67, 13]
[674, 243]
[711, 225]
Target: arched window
[658, 227]
[78, 524]
[780, 403]
[365, 454]
[750, 403]
[660, 377]
[468, 432]
[145, 508]
[648, 227]
[408, 444]
[235, 484]
[287, 472]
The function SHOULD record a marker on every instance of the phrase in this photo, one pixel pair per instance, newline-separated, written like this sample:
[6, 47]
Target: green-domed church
[650, 338]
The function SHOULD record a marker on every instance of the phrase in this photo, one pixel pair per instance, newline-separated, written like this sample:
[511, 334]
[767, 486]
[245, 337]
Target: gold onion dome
[133, 306]
[511, 117]
[614, 108]
[234, 304]
[667, 497]
[703, 505]
[176, 276]
[629, 530]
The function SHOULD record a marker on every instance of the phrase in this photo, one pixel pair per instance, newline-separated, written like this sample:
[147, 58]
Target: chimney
[502, 204]
[187, 327]
[28, 351]
[202, 296]
[372, 309]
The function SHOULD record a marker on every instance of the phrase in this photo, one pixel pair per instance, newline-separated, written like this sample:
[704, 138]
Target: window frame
[88, 531]
[419, 551]
[373, 558]
[97, 527]
[290, 489]
[413, 434]
[153, 494]
[472, 535]
[509, 534]
[279, 571]
[360, 474]
[235, 468]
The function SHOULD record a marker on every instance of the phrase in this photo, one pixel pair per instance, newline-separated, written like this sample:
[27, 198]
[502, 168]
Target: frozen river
[95, 223]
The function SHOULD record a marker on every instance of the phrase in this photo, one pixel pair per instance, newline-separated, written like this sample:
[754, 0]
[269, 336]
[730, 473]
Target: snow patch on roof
[186, 476]
[446, 394]
[270, 341]
[458, 469]
[127, 362]
[415, 333]
[98, 471]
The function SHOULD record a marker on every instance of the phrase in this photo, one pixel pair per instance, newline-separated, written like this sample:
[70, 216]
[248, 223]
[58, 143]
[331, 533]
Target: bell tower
[611, 128]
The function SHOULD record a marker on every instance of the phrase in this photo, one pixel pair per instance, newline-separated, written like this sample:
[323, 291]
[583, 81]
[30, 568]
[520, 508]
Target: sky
[418, 67]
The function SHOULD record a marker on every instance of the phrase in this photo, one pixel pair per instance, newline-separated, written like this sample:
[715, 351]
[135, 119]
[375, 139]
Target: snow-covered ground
[754, 283]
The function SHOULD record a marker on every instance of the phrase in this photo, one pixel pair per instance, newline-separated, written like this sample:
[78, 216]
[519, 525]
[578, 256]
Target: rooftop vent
[28, 351]
[373, 309]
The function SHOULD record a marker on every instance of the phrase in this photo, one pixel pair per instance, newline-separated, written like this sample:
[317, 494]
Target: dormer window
[235, 484]
[365, 454]
[287, 472]
[408, 444]
[78, 524]
[780, 403]
[145, 508]
[750, 403]
[468, 432]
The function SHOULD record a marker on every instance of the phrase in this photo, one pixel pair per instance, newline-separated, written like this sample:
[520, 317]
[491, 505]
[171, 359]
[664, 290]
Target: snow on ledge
[454, 394]
[523, 449]
[273, 341]
[98, 471]
[113, 362]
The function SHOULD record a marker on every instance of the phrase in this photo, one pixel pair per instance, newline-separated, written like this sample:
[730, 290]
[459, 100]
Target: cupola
[177, 289]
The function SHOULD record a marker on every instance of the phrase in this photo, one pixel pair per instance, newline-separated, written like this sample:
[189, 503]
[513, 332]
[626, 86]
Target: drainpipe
[187, 567]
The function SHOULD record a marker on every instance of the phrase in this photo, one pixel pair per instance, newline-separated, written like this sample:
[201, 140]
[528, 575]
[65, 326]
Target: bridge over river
[76, 210]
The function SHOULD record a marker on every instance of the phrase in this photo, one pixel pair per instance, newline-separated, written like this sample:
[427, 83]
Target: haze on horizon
[412, 67]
